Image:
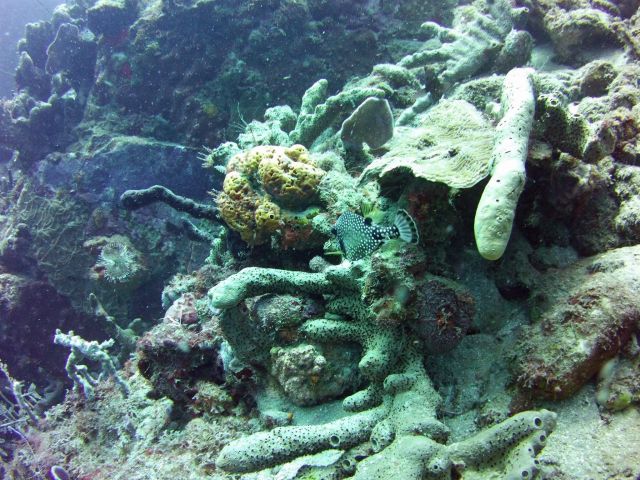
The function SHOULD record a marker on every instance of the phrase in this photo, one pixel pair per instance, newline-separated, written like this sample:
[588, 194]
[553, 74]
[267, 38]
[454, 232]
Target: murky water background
[15, 14]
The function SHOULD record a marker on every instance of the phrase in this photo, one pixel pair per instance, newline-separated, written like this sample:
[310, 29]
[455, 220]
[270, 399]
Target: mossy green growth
[621, 401]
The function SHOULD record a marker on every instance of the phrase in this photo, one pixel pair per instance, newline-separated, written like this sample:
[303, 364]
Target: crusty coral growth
[265, 194]
[181, 359]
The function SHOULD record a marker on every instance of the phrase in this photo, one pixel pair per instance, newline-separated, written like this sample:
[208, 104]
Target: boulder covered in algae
[583, 316]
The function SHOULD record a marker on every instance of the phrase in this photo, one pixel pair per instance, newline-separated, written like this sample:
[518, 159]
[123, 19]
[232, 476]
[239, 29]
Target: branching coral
[126, 337]
[477, 39]
[94, 351]
[318, 110]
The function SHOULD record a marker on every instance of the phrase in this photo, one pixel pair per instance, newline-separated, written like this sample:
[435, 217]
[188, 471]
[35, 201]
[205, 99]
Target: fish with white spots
[359, 237]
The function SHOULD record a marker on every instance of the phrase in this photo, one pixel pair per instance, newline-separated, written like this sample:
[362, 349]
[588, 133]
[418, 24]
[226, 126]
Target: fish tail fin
[407, 229]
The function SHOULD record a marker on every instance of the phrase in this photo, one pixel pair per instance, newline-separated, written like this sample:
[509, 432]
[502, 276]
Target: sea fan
[118, 262]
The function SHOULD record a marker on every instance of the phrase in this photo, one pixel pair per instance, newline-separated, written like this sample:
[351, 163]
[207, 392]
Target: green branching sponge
[512, 444]
[507, 450]
[497, 206]
[382, 347]
[396, 428]
[406, 438]
[282, 444]
[254, 281]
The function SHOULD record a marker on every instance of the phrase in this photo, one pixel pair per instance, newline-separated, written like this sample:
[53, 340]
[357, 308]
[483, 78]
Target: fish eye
[367, 221]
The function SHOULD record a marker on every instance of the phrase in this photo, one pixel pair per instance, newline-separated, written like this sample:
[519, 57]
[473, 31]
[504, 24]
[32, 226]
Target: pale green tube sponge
[497, 206]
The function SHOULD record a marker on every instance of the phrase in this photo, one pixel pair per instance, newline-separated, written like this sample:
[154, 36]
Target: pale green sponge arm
[267, 449]
[254, 281]
[524, 435]
[497, 206]
[382, 346]
[532, 427]
[508, 450]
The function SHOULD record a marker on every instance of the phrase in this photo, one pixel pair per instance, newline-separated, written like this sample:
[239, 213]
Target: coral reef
[309, 375]
[582, 146]
[571, 28]
[54, 77]
[318, 110]
[254, 311]
[452, 158]
[110, 18]
[25, 346]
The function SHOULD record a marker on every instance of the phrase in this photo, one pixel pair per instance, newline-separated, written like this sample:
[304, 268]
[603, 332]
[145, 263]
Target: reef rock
[583, 316]
[572, 30]
[128, 162]
[179, 359]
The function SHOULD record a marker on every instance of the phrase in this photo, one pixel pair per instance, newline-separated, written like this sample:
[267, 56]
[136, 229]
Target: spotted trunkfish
[359, 237]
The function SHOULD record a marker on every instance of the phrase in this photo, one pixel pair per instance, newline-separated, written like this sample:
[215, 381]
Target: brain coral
[266, 191]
